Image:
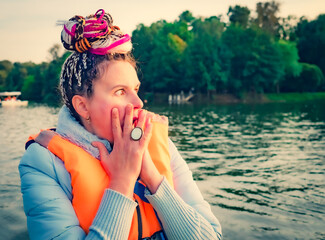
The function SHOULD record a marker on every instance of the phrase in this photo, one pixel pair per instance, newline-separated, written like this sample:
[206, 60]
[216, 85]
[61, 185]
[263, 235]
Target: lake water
[261, 167]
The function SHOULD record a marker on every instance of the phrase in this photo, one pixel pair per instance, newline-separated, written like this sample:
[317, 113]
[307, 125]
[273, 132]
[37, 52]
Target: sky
[28, 27]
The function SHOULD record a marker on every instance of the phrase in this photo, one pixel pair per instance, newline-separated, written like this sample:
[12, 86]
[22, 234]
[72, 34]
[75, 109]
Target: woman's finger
[128, 120]
[142, 119]
[116, 125]
[147, 134]
[102, 149]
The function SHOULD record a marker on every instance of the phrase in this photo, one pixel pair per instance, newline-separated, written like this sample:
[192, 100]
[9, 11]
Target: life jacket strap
[157, 236]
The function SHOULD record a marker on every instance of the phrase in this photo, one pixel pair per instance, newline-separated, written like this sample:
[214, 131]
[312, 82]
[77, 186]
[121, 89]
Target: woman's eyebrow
[119, 86]
[124, 86]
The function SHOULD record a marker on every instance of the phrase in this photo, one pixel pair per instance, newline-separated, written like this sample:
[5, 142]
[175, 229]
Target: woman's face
[117, 87]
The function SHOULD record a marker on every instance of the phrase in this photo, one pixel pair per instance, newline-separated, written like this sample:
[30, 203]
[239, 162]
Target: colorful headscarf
[95, 34]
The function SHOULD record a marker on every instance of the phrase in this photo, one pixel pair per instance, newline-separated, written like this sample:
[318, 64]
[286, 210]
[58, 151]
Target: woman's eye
[120, 92]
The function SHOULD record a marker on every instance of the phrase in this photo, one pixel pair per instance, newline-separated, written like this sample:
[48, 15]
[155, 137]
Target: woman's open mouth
[135, 121]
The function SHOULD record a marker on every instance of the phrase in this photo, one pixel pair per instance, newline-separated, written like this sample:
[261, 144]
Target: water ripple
[262, 166]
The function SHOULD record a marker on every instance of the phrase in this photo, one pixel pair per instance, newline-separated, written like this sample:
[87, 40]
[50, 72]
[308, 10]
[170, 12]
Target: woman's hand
[123, 164]
[45, 137]
[149, 173]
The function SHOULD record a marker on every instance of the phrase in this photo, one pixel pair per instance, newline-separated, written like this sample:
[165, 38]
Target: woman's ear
[80, 105]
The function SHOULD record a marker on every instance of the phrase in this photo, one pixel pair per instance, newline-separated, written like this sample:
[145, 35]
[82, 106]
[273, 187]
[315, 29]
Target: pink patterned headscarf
[96, 34]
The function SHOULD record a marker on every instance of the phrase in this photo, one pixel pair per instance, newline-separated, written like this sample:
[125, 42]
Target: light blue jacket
[47, 196]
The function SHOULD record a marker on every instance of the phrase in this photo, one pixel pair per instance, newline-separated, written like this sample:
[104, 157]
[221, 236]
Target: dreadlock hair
[95, 42]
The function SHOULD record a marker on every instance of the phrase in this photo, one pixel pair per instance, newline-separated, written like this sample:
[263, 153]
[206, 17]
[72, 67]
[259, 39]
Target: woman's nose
[137, 102]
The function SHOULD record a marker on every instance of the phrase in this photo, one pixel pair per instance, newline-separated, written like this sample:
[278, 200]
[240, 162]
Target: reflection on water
[261, 167]
[16, 124]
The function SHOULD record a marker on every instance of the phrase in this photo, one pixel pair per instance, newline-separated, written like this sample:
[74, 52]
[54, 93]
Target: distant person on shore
[109, 170]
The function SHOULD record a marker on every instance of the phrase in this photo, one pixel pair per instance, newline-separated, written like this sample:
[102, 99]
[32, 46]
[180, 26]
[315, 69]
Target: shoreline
[246, 98]
[162, 98]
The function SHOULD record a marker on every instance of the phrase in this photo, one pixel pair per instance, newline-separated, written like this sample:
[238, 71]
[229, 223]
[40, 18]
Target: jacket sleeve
[182, 210]
[46, 190]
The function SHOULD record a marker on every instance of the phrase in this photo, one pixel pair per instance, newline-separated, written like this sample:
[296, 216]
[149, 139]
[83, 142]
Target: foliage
[289, 58]
[5, 68]
[239, 15]
[205, 63]
[266, 17]
[168, 41]
[287, 28]
[262, 54]
[288, 62]
[254, 61]
[37, 82]
[311, 41]
[311, 79]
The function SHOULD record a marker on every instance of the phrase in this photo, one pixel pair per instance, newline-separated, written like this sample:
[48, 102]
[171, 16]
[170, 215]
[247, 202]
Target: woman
[109, 171]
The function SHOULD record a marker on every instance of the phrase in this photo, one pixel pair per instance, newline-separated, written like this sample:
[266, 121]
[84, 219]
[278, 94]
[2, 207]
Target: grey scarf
[70, 128]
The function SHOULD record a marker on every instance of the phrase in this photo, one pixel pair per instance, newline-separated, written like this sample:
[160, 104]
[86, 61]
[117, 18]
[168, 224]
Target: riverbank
[296, 97]
[245, 98]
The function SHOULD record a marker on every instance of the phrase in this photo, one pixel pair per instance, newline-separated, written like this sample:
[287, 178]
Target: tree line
[259, 53]
[37, 82]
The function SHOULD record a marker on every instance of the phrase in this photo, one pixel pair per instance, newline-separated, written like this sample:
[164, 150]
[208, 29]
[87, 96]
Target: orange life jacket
[89, 181]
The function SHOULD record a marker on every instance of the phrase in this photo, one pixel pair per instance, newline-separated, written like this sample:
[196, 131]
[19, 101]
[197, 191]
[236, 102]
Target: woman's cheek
[103, 114]
[104, 109]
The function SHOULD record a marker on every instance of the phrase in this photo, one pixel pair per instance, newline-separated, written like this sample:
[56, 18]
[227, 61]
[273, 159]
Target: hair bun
[96, 34]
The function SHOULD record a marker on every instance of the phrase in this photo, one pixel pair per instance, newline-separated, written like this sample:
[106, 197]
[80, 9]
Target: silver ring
[136, 133]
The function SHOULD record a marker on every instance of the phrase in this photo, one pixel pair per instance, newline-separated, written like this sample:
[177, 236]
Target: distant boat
[10, 99]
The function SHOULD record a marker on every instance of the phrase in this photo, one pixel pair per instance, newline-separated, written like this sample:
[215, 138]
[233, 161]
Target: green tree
[143, 39]
[167, 54]
[204, 61]
[14, 81]
[287, 28]
[55, 52]
[266, 17]
[289, 61]
[239, 15]
[311, 79]
[5, 68]
[159, 49]
[254, 60]
[28, 90]
[51, 79]
[311, 41]
[187, 17]
[33, 85]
